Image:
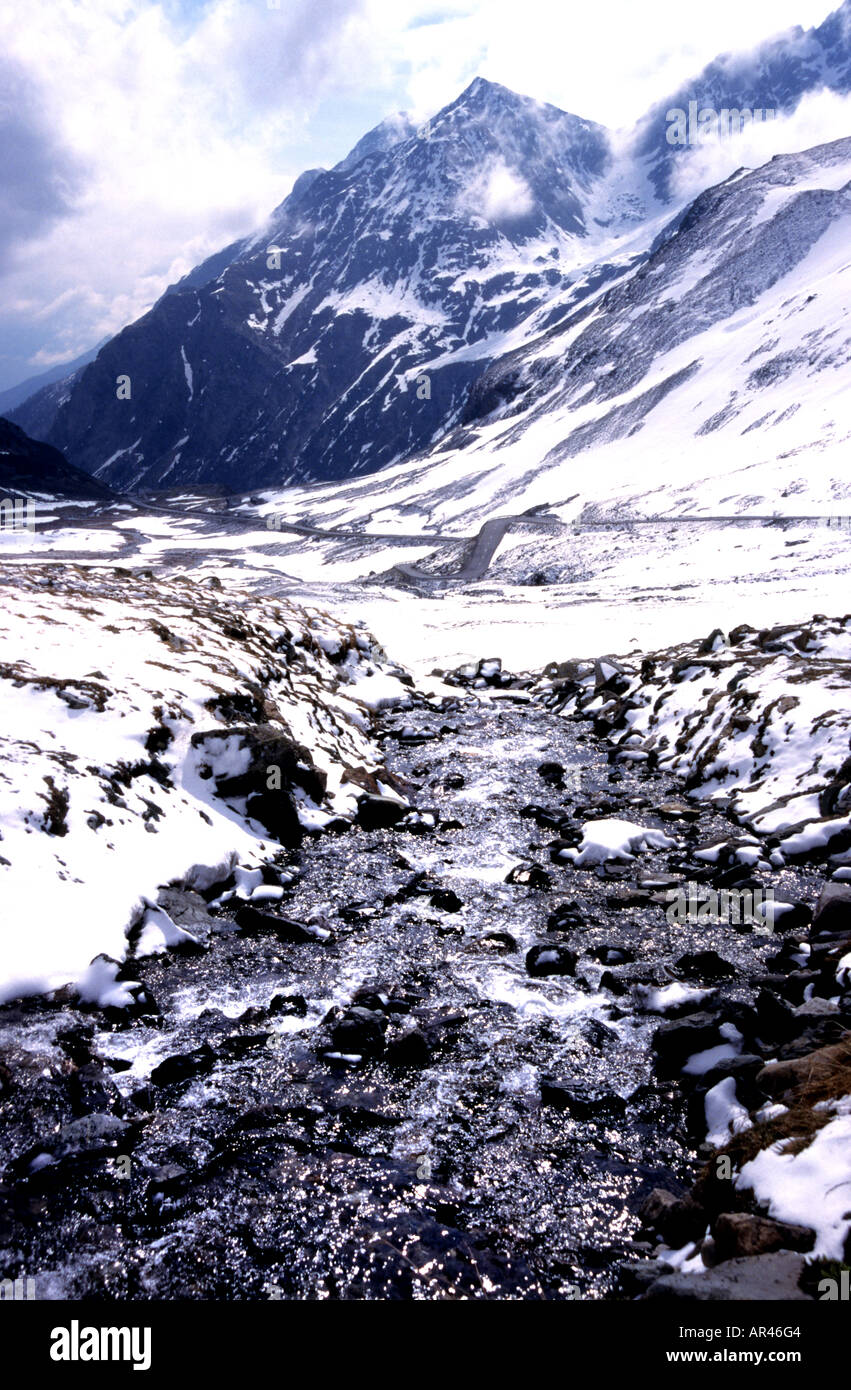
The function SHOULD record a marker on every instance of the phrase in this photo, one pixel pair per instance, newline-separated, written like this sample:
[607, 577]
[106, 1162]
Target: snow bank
[811, 1188]
[761, 719]
[126, 704]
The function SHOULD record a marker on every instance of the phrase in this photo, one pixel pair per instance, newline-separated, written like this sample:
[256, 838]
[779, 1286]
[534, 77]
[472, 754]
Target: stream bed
[375, 1098]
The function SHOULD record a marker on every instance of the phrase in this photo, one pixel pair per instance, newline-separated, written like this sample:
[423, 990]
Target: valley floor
[398, 1109]
[459, 1050]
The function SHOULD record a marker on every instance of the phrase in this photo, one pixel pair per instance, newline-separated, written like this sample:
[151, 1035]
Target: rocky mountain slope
[300, 356]
[773, 77]
[15, 396]
[28, 468]
[348, 332]
[727, 347]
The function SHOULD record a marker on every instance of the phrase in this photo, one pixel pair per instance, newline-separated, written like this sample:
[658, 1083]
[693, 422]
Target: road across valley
[482, 546]
[474, 567]
[485, 544]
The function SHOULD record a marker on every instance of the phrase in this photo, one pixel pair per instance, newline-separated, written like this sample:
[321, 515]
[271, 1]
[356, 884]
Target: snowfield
[122, 716]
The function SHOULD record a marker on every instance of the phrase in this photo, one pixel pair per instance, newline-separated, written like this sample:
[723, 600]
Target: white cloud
[499, 194]
[39, 177]
[184, 141]
[820, 117]
[608, 63]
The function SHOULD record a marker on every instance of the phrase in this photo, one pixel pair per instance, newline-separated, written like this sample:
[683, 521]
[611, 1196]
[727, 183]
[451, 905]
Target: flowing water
[417, 1160]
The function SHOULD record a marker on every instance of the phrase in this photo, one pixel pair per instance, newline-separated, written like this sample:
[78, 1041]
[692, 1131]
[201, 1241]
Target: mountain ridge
[352, 330]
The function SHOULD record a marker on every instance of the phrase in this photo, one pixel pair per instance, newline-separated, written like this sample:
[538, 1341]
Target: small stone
[529, 876]
[500, 941]
[445, 900]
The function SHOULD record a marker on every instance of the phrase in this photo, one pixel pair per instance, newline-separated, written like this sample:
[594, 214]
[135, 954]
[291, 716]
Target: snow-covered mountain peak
[348, 333]
[772, 78]
[382, 138]
[707, 377]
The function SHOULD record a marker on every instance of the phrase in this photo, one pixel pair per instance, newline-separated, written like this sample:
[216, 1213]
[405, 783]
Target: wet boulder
[288, 1005]
[529, 876]
[380, 812]
[252, 922]
[78, 1145]
[775, 1020]
[359, 1032]
[677, 1219]
[738, 1234]
[581, 1101]
[787, 913]
[791, 987]
[678, 1040]
[565, 917]
[832, 918]
[409, 1049]
[167, 1180]
[184, 1066]
[548, 959]
[704, 965]
[612, 955]
[499, 941]
[420, 820]
[445, 900]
